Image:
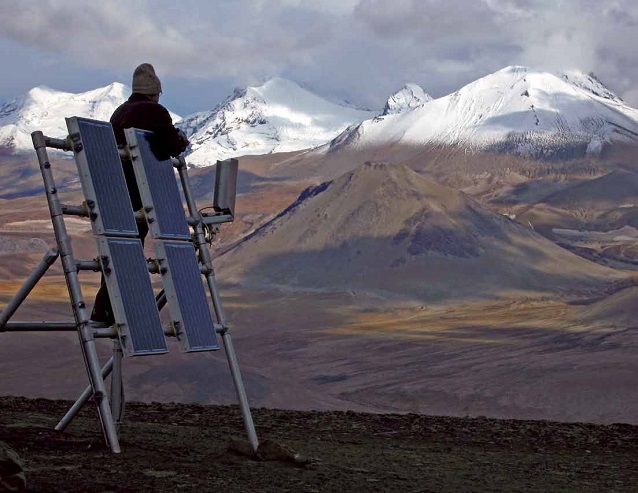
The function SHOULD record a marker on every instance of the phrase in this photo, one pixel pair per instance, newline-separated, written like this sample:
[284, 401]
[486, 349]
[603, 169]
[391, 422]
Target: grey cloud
[430, 20]
[101, 34]
[356, 49]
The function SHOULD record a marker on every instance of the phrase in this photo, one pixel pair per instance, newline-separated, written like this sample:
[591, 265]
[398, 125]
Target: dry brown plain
[533, 355]
[529, 359]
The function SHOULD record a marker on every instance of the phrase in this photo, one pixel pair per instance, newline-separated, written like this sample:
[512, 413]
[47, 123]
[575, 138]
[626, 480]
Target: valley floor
[170, 447]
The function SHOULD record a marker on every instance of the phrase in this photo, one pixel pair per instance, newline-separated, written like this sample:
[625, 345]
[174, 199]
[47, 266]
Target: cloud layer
[360, 50]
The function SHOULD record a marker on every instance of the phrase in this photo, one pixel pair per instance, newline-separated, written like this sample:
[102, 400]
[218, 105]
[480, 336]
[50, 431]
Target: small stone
[12, 476]
[269, 450]
[241, 447]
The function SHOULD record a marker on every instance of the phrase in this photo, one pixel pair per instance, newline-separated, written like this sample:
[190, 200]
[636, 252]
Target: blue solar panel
[187, 300]
[158, 189]
[102, 177]
[132, 297]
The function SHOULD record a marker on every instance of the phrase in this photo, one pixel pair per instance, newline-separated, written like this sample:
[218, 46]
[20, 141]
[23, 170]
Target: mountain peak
[574, 77]
[40, 95]
[514, 69]
[515, 110]
[369, 202]
[278, 116]
[409, 97]
[278, 82]
[43, 108]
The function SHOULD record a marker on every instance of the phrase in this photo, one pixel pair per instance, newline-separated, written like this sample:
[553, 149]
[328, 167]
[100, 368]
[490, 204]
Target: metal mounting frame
[110, 411]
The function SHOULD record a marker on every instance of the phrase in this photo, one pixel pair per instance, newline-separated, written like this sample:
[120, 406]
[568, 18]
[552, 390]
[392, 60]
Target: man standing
[143, 111]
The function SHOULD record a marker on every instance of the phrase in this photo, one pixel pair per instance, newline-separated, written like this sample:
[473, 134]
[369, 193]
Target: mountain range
[515, 110]
[275, 117]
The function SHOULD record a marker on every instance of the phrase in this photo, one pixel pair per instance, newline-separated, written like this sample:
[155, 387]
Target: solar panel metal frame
[102, 177]
[126, 274]
[186, 296]
[158, 188]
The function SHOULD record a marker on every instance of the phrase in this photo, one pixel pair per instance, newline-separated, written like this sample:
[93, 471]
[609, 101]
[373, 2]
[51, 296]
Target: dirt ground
[170, 447]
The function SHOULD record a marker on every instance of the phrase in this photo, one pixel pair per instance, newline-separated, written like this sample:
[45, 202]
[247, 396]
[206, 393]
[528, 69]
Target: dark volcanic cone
[385, 229]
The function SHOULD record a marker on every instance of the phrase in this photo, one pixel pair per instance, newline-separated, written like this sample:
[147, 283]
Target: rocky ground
[169, 447]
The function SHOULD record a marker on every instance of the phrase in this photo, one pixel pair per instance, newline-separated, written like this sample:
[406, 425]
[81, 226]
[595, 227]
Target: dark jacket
[140, 112]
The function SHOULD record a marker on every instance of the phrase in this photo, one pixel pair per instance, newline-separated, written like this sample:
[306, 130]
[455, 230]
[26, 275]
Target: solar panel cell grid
[158, 189]
[132, 296]
[102, 177]
[186, 295]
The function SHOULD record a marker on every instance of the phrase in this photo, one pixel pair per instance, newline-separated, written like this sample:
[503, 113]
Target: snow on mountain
[45, 109]
[517, 110]
[410, 96]
[278, 116]
[588, 82]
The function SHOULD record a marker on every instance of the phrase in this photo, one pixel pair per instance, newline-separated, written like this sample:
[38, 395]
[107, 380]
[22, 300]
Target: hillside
[338, 452]
[595, 216]
[386, 230]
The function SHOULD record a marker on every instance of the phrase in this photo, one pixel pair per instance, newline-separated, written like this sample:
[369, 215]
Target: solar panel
[187, 300]
[102, 177]
[129, 285]
[158, 188]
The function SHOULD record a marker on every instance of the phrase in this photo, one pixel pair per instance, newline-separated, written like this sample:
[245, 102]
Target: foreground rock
[12, 476]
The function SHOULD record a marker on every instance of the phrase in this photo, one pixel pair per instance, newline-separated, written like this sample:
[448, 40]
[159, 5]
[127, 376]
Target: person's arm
[169, 141]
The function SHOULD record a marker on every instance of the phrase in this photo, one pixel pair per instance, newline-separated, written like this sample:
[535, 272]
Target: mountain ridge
[45, 109]
[515, 110]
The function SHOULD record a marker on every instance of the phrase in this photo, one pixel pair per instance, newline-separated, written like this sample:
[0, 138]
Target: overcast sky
[357, 50]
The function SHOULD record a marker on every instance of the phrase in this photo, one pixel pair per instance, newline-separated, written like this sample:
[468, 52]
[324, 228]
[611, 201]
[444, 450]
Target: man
[143, 111]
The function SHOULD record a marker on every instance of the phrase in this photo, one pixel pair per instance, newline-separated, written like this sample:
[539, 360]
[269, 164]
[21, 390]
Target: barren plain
[563, 351]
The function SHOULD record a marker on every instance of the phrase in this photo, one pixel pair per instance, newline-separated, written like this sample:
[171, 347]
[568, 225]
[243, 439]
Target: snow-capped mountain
[45, 109]
[278, 116]
[590, 83]
[409, 97]
[516, 110]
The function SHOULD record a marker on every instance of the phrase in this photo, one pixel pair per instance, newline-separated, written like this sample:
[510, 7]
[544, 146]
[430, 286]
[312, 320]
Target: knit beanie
[145, 81]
